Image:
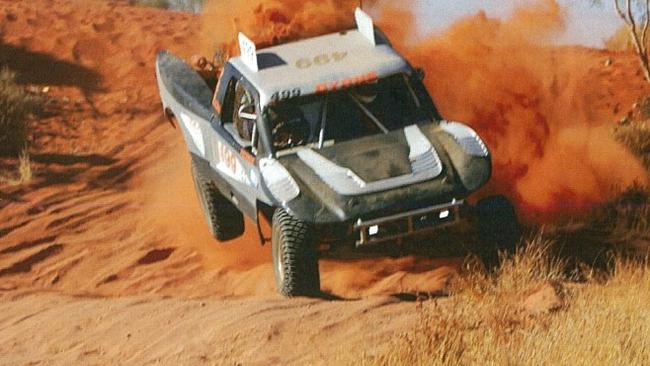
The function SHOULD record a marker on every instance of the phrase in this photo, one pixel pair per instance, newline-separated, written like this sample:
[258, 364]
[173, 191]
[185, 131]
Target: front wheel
[224, 220]
[498, 227]
[295, 259]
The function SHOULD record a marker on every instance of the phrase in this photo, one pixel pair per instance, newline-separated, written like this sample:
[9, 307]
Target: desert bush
[619, 41]
[603, 320]
[482, 323]
[642, 109]
[636, 136]
[163, 4]
[15, 106]
[178, 5]
[629, 217]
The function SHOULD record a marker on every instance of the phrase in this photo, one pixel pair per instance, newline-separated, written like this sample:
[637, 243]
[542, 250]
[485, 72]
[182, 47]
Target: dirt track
[104, 257]
[110, 223]
[145, 330]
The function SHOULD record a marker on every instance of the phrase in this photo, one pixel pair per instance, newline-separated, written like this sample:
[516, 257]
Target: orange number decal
[227, 158]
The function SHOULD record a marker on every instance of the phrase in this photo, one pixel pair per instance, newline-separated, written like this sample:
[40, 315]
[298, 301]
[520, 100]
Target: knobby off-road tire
[498, 228]
[224, 220]
[295, 259]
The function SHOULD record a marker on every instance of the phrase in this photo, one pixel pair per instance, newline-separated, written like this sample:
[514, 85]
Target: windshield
[323, 119]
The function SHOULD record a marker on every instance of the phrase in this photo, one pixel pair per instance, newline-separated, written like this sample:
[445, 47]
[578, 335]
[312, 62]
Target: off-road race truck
[335, 141]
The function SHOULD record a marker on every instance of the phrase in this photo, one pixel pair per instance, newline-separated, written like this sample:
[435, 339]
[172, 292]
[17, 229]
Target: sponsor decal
[346, 83]
[194, 130]
[320, 60]
[286, 94]
[226, 161]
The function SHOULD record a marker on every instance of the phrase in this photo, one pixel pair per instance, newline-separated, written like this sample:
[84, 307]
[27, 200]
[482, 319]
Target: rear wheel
[224, 220]
[498, 227]
[295, 259]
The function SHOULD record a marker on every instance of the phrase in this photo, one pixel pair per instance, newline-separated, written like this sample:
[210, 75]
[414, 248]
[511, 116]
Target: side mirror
[419, 73]
[247, 111]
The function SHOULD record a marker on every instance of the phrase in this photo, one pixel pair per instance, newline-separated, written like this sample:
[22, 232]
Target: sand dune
[111, 223]
[104, 257]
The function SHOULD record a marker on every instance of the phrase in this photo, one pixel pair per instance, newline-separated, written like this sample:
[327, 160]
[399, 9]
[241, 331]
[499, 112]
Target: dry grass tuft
[24, 174]
[24, 168]
[603, 320]
[530, 265]
[483, 322]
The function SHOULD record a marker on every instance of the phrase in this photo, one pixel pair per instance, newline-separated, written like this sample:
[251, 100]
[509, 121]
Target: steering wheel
[291, 132]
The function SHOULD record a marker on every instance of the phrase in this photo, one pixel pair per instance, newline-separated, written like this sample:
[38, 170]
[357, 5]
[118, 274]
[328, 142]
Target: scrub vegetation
[556, 301]
[179, 5]
[16, 105]
[601, 322]
[163, 4]
[637, 137]
[619, 41]
[636, 16]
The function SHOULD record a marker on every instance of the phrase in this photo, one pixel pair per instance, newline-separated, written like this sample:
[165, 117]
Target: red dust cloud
[271, 22]
[533, 103]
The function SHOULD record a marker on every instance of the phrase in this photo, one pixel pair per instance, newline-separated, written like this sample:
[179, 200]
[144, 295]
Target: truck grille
[407, 223]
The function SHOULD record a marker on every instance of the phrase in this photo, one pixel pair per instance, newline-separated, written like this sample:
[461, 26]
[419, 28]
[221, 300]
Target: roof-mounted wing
[248, 52]
[365, 25]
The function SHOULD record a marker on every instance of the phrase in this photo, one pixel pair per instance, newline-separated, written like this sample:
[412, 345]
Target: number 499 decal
[285, 94]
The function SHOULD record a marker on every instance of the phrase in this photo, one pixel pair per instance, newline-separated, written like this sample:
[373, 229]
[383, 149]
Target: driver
[290, 127]
[206, 69]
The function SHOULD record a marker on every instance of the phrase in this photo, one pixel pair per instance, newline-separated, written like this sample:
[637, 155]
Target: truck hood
[417, 166]
[376, 164]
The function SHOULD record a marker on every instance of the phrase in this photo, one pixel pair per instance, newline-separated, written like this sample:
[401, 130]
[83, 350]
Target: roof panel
[331, 61]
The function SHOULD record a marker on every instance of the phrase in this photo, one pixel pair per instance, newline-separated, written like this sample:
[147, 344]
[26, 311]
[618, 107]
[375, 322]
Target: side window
[244, 112]
[239, 114]
[228, 102]
[425, 99]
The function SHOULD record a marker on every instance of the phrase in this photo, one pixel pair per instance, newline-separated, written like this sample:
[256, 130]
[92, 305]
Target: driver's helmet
[199, 62]
[290, 128]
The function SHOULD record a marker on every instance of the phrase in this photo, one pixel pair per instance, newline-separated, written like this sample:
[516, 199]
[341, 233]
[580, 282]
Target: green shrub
[15, 106]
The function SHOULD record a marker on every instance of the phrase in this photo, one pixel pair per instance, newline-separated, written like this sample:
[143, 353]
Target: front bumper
[398, 226]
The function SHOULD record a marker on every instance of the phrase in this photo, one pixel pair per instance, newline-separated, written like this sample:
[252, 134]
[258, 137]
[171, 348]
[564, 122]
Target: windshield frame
[414, 85]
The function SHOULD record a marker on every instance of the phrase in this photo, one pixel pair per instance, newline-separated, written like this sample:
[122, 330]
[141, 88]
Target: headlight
[278, 180]
[467, 138]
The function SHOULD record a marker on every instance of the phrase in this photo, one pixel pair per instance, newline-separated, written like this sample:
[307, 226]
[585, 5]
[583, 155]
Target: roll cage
[261, 141]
